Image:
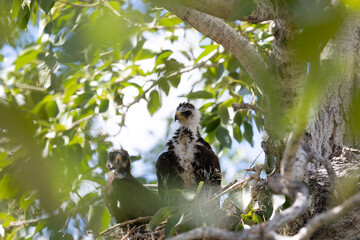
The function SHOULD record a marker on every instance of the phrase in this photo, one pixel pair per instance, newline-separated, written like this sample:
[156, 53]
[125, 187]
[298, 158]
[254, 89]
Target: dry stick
[123, 224]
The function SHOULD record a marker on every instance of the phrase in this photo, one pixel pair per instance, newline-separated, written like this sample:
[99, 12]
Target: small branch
[25, 222]
[140, 220]
[245, 106]
[220, 32]
[330, 215]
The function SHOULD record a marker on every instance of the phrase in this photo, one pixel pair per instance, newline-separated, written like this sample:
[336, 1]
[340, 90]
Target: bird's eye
[186, 113]
[112, 156]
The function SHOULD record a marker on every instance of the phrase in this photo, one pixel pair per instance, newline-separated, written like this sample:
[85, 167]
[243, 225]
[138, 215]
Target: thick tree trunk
[330, 131]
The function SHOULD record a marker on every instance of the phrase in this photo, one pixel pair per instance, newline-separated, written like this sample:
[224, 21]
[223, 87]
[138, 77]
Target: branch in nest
[140, 220]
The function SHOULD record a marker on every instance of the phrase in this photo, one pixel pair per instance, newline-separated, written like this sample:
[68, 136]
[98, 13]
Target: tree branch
[246, 106]
[324, 218]
[237, 9]
[220, 32]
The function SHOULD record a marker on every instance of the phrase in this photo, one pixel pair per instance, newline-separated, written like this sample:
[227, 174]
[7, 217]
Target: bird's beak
[118, 159]
[177, 116]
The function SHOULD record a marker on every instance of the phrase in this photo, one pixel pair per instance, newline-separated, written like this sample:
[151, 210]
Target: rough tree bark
[329, 131]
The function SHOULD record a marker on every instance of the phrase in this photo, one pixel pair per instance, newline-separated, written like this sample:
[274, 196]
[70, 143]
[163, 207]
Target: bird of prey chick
[125, 196]
[189, 159]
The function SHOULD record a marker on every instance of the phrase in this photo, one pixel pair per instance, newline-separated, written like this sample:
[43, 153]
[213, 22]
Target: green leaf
[175, 81]
[248, 134]
[211, 126]
[7, 187]
[222, 134]
[26, 199]
[98, 218]
[154, 102]
[162, 56]
[143, 54]
[238, 118]
[240, 198]
[135, 158]
[207, 50]
[52, 109]
[160, 216]
[2, 57]
[46, 5]
[164, 85]
[200, 94]
[224, 114]
[23, 16]
[237, 133]
[271, 165]
[172, 224]
[15, 8]
[104, 105]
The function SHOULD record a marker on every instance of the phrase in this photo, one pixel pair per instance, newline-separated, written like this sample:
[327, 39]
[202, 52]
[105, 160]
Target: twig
[246, 106]
[123, 224]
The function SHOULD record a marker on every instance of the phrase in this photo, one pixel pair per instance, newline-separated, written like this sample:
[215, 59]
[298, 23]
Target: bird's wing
[135, 199]
[208, 166]
[111, 200]
[168, 174]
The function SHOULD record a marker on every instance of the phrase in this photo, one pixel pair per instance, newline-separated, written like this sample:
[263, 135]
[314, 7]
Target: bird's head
[118, 160]
[187, 115]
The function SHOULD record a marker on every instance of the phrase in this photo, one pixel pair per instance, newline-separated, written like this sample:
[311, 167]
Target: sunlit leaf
[23, 16]
[98, 218]
[240, 198]
[200, 94]
[160, 216]
[173, 224]
[15, 8]
[162, 56]
[154, 102]
[207, 50]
